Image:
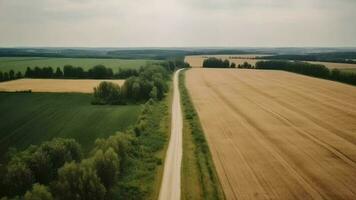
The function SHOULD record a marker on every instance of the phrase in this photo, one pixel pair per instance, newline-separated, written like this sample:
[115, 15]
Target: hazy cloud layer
[151, 23]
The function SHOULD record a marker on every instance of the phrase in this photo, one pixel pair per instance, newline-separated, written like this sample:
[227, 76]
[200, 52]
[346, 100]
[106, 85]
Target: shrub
[38, 192]
[107, 93]
[79, 181]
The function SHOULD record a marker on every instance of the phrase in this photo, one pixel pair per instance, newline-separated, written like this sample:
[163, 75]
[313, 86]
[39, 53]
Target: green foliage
[216, 63]
[151, 82]
[208, 180]
[78, 181]
[38, 192]
[100, 72]
[309, 69]
[107, 93]
[11, 75]
[39, 164]
[107, 166]
[245, 65]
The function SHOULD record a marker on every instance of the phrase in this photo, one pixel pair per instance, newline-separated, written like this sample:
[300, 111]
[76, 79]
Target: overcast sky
[177, 23]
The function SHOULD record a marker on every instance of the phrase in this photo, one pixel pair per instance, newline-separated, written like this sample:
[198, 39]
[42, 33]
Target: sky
[178, 23]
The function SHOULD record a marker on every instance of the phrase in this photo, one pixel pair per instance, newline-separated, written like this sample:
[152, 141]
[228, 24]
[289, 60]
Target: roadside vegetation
[315, 70]
[199, 178]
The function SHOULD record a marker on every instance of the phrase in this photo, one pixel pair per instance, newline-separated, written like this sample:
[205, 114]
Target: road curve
[170, 188]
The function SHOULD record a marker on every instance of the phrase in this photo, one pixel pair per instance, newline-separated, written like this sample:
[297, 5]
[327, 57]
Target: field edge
[199, 177]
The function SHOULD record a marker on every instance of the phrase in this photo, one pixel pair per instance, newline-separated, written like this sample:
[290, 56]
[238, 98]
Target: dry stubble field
[278, 135]
[53, 85]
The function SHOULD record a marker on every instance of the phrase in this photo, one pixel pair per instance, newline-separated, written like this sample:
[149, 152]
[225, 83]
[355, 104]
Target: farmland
[21, 63]
[53, 85]
[33, 118]
[277, 135]
[197, 61]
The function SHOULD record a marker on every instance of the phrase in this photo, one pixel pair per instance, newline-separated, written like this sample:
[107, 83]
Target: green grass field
[33, 118]
[21, 63]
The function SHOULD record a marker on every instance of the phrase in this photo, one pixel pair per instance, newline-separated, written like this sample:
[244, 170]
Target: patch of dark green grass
[31, 118]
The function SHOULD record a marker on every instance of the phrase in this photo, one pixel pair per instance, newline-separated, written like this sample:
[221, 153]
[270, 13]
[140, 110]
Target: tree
[107, 93]
[19, 75]
[154, 93]
[216, 63]
[38, 192]
[79, 182]
[107, 166]
[1, 76]
[12, 74]
[233, 65]
[29, 72]
[19, 178]
[6, 76]
[58, 73]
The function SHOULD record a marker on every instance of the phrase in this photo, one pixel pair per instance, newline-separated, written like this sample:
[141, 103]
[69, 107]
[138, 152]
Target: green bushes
[107, 93]
[8, 76]
[206, 174]
[245, 65]
[151, 82]
[216, 63]
[314, 70]
[38, 164]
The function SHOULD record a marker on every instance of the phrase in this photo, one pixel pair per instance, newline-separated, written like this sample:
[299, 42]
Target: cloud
[177, 22]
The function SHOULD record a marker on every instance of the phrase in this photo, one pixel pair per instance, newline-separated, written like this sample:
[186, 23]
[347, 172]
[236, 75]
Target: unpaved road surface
[278, 135]
[54, 85]
[170, 188]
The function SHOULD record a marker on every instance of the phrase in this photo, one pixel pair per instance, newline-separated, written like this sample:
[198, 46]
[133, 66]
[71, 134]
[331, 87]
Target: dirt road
[170, 188]
[278, 135]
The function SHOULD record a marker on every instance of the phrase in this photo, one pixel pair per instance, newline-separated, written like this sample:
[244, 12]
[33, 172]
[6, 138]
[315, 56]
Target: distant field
[277, 135]
[33, 118]
[340, 66]
[21, 63]
[53, 85]
[197, 61]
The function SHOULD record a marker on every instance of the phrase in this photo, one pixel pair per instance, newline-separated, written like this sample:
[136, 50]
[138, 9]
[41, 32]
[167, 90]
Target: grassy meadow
[21, 63]
[36, 117]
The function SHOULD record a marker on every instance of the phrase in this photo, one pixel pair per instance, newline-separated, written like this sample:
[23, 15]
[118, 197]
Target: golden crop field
[336, 65]
[197, 60]
[53, 85]
[278, 135]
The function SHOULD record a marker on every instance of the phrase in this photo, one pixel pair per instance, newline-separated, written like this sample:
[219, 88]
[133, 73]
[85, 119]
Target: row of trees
[11, 75]
[69, 71]
[151, 82]
[309, 69]
[216, 63]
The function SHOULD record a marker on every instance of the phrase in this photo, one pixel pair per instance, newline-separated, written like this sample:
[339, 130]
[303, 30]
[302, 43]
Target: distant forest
[337, 57]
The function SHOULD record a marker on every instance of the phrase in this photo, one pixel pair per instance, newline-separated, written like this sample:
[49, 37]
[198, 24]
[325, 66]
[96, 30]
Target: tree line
[217, 63]
[11, 75]
[117, 167]
[149, 83]
[309, 69]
